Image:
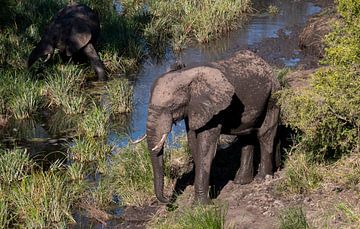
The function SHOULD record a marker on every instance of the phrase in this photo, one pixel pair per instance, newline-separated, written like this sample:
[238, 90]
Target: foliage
[87, 150]
[95, 122]
[20, 96]
[293, 218]
[328, 112]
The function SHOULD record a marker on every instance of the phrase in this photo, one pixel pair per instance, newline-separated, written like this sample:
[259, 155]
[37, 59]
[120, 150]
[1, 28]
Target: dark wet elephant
[74, 29]
[233, 97]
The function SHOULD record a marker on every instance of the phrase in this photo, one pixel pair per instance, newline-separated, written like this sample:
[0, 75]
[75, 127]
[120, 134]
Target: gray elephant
[74, 29]
[231, 97]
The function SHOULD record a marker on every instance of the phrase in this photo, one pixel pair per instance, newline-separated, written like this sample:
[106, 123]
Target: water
[257, 29]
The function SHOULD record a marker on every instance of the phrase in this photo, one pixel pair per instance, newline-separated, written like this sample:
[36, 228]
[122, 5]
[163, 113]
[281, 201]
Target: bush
[328, 112]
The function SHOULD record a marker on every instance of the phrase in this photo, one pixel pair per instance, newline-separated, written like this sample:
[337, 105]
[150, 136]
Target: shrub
[328, 112]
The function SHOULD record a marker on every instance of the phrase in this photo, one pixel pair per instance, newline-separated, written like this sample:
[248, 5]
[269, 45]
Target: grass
[301, 175]
[184, 21]
[293, 218]
[212, 217]
[95, 122]
[273, 10]
[131, 171]
[21, 97]
[85, 150]
[15, 164]
[351, 213]
[43, 200]
[5, 215]
[120, 95]
[62, 89]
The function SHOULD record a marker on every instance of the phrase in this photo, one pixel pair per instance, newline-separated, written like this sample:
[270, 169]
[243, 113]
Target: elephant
[73, 30]
[232, 97]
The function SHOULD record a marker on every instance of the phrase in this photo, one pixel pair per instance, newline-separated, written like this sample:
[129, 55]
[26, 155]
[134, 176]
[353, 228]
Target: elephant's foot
[243, 179]
[202, 201]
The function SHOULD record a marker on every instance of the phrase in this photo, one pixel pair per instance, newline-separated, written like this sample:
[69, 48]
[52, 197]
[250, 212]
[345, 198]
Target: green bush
[328, 112]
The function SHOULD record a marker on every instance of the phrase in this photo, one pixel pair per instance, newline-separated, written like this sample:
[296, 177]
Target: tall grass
[131, 171]
[188, 20]
[120, 93]
[63, 89]
[212, 217]
[301, 175]
[95, 122]
[5, 215]
[15, 164]
[86, 150]
[21, 97]
[43, 200]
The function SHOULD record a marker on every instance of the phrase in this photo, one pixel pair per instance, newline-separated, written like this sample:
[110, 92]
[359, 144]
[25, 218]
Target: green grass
[15, 164]
[63, 89]
[301, 175]
[43, 200]
[5, 215]
[95, 122]
[293, 218]
[212, 217]
[351, 213]
[186, 20]
[120, 95]
[131, 171]
[21, 97]
[84, 150]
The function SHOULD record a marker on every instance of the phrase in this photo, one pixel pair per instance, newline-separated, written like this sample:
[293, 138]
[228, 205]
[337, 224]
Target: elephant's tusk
[139, 140]
[161, 143]
[47, 58]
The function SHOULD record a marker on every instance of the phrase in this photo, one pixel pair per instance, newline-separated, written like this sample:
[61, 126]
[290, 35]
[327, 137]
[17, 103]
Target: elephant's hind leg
[266, 136]
[246, 171]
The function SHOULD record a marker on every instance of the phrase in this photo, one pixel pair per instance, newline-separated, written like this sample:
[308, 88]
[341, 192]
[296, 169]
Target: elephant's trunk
[157, 164]
[158, 126]
[42, 49]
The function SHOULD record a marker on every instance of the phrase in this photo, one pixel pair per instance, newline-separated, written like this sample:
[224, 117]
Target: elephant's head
[196, 94]
[43, 48]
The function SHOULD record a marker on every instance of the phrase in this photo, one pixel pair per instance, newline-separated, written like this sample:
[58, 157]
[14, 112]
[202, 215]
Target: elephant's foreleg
[95, 61]
[266, 135]
[205, 152]
[246, 171]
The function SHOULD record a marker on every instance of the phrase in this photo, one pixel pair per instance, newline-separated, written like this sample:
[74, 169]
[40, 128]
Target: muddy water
[260, 27]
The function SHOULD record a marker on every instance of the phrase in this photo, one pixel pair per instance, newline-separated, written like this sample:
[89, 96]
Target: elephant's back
[78, 14]
[248, 67]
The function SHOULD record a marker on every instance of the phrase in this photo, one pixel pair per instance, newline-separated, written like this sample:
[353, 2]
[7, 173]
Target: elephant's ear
[210, 93]
[80, 36]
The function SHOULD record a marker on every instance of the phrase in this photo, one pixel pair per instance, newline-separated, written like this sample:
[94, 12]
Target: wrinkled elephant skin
[233, 97]
[73, 29]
